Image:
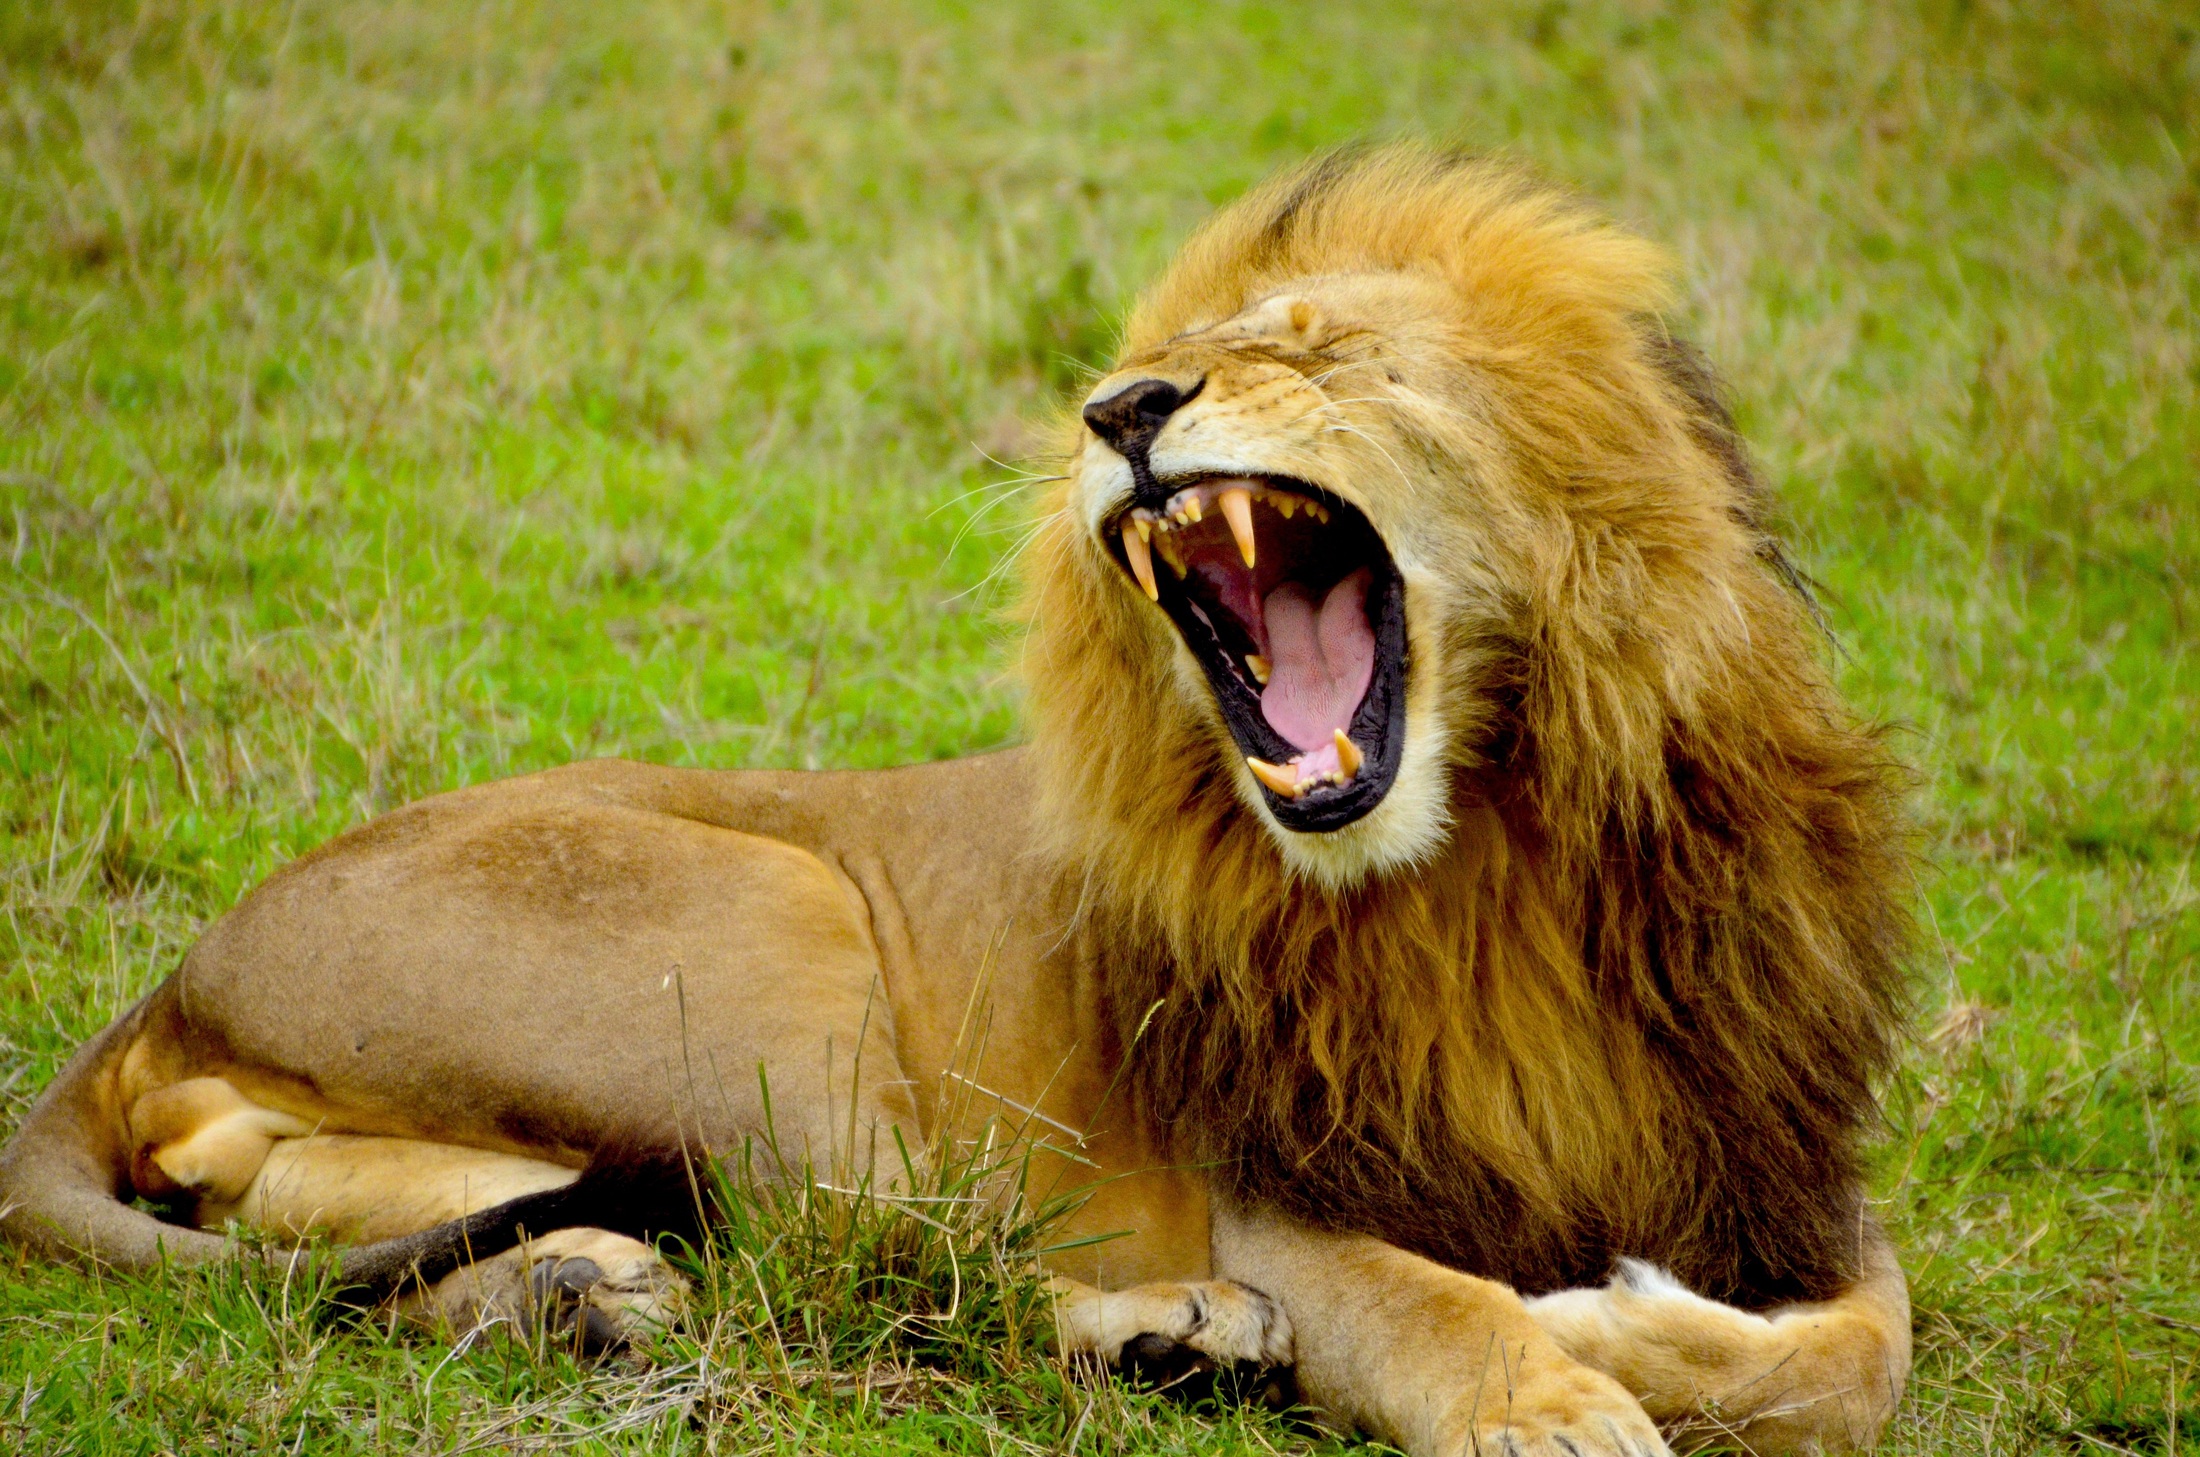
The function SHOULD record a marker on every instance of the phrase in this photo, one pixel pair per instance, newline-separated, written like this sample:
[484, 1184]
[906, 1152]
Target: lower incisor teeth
[1258, 667]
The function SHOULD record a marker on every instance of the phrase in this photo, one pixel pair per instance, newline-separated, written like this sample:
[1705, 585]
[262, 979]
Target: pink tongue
[1320, 660]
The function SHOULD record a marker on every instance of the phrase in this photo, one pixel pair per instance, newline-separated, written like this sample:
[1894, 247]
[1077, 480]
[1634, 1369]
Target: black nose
[1130, 418]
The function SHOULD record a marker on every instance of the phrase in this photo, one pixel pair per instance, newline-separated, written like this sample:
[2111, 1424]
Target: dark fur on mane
[1746, 1183]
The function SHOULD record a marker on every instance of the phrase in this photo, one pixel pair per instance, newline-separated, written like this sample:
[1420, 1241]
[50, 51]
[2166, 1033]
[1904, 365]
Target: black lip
[1378, 725]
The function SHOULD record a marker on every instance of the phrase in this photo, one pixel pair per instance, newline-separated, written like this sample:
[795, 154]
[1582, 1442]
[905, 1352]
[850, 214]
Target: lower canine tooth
[1258, 667]
[1348, 755]
[1278, 779]
[1169, 554]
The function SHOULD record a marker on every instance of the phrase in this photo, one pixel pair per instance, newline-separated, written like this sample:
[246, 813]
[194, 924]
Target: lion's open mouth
[1290, 601]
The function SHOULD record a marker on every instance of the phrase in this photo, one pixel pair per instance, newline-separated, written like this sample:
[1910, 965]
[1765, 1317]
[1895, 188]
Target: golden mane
[1632, 1003]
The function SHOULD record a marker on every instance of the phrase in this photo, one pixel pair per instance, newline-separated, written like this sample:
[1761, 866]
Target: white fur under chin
[1402, 832]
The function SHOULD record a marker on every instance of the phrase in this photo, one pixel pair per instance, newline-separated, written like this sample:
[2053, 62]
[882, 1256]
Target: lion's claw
[589, 1288]
[1578, 1413]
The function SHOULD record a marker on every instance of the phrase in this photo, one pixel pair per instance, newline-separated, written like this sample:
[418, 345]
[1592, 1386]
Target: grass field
[397, 396]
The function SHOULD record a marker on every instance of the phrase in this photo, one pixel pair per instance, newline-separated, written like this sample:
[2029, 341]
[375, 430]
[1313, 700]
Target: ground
[396, 396]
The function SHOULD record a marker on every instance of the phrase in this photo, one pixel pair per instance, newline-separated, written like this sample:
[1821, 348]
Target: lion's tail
[643, 1188]
[65, 1177]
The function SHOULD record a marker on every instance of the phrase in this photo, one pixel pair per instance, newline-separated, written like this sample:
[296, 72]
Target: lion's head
[1398, 434]
[1413, 672]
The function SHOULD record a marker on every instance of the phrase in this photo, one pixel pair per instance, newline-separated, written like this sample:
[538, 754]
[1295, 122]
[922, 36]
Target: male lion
[1437, 821]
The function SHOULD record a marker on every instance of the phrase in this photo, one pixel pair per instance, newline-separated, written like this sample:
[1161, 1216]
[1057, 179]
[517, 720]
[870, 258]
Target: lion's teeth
[1286, 506]
[1348, 755]
[1258, 667]
[1321, 512]
[1237, 506]
[1140, 555]
[1191, 508]
[1167, 547]
[1275, 776]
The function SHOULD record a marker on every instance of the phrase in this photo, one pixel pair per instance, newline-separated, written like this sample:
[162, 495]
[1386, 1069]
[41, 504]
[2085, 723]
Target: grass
[396, 396]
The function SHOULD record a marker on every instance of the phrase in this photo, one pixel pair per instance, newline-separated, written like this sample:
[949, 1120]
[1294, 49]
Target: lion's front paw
[1571, 1413]
[589, 1290]
[1188, 1338]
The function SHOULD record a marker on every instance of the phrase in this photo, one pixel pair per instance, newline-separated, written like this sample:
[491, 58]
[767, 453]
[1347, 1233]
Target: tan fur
[1826, 1373]
[356, 1189]
[203, 1135]
[1604, 975]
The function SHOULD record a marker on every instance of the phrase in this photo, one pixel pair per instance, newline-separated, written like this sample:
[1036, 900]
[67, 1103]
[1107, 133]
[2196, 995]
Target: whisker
[1013, 555]
[971, 524]
[985, 488]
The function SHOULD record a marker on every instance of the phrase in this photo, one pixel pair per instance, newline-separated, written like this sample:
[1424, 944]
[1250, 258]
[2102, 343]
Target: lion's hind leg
[202, 1143]
[201, 1139]
[592, 1287]
[1801, 1378]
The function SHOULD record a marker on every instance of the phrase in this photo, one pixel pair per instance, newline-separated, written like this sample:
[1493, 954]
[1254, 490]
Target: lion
[1442, 887]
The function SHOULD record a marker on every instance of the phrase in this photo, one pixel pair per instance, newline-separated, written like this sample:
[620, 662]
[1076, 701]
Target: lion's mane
[1634, 1002]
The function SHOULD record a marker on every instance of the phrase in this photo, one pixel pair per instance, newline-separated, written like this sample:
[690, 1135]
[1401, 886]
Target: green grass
[396, 396]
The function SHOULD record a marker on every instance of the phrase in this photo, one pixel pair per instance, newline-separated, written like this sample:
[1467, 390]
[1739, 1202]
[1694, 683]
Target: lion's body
[1602, 975]
[542, 966]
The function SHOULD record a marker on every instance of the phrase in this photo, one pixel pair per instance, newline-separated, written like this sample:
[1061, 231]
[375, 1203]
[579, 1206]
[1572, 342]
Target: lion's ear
[1287, 318]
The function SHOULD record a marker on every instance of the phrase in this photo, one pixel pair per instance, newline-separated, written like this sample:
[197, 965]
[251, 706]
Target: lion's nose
[1130, 418]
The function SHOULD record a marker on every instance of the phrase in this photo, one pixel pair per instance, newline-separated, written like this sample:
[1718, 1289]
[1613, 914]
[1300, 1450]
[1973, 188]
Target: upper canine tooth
[1275, 776]
[1237, 505]
[1140, 556]
[1348, 755]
